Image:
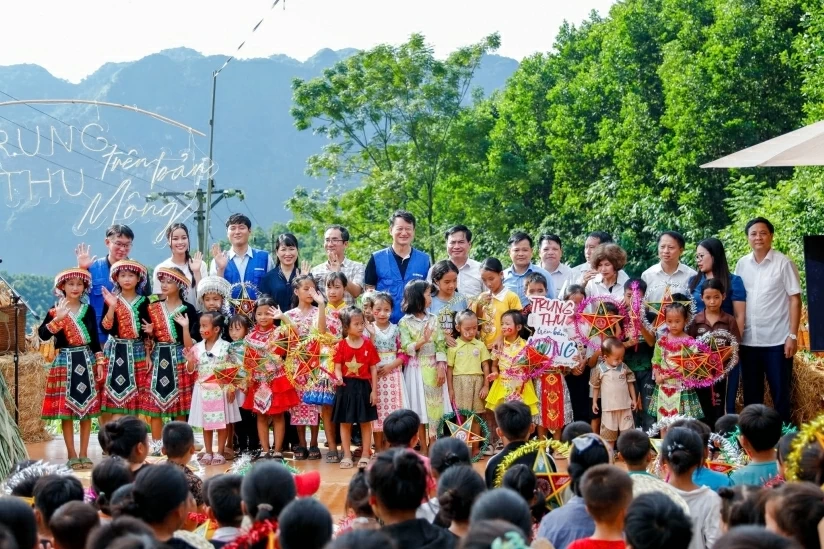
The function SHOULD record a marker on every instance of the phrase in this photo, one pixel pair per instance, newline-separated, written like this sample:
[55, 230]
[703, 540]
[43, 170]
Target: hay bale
[808, 387]
[33, 374]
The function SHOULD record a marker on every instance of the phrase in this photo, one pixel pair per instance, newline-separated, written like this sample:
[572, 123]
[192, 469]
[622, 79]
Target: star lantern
[243, 303]
[602, 322]
[463, 432]
[556, 481]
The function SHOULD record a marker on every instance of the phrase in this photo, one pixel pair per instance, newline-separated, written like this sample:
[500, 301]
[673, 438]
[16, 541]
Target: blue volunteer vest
[389, 276]
[255, 269]
[100, 279]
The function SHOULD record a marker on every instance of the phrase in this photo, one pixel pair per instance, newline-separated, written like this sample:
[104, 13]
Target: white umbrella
[803, 147]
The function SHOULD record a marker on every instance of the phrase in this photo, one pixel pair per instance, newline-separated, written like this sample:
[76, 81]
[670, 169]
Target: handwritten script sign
[109, 183]
[552, 318]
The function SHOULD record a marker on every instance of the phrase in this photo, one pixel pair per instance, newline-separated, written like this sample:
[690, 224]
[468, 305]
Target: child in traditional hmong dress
[446, 301]
[425, 376]
[214, 406]
[270, 392]
[126, 321]
[671, 398]
[246, 433]
[387, 339]
[170, 386]
[309, 321]
[71, 391]
[509, 382]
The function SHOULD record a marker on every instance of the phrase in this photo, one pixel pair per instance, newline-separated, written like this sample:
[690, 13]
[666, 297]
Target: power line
[255, 28]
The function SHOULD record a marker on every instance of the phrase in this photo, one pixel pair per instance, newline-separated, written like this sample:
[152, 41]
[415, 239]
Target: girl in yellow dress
[510, 382]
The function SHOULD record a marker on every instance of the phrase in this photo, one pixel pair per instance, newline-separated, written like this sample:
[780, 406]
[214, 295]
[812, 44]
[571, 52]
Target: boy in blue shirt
[704, 476]
[760, 431]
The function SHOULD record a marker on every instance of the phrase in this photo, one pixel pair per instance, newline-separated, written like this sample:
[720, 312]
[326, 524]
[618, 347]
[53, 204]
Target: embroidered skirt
[170, 386]
[127, 371]
[667, 402]
[271, 398]
[391, 396]
[71, 391]
[211, 408]
[554, 404]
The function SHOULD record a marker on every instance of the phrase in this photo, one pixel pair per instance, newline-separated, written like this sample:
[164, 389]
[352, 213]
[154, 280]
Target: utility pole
[203, 207]
[211, 183]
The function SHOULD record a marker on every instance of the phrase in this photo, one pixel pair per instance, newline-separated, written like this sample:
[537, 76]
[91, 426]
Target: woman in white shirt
[193, 266]
[608, 260]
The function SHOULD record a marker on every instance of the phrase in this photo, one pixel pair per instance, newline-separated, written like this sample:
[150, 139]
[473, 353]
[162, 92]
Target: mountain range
[68, 170]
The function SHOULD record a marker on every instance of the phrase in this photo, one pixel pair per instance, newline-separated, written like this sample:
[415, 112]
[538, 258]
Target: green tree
[36, 290]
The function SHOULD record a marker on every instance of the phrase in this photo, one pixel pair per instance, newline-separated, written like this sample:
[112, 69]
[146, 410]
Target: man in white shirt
[520, 252]
[550, 250]
[335, 242]
[669, 271]
[458, 246]
[773, 315]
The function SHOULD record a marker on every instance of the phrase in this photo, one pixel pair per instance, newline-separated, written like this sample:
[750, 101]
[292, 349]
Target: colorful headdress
[174, 275]
[215, 285]
[70, 274]
[131, 266]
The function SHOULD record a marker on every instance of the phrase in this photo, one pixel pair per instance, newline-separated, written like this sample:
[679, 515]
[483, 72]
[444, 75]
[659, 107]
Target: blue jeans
[756, 362]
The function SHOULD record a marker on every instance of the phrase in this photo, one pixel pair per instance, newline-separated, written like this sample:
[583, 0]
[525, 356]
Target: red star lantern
[660, 307]
[602, 322]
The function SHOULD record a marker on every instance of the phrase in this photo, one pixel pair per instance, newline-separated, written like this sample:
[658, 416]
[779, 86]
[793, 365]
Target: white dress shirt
[240, 262]
[677, 281]
[769, 286]
[469, 278]
[597, 287]
[560, 278]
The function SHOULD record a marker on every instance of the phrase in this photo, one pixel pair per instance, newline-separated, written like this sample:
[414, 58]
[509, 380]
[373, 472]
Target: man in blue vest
[391, 269]
[119, 240]
[241, 263]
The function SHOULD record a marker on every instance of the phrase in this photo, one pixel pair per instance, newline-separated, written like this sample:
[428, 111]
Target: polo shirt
[735, 292]
[353, 270]
[465, 357]
[655, 276]
[769, 285]
[469, 278]
[515, 282]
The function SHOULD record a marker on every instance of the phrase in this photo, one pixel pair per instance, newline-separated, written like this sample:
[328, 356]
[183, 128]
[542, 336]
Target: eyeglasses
[700, 257]
[122, 245]
[332, 240]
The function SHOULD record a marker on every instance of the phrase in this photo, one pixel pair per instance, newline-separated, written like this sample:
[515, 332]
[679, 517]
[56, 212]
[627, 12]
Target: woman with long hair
[192, 265]
[277, 283]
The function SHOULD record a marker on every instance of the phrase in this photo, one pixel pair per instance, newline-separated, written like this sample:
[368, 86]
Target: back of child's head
[18, 517]
[636, 283]
[7, 540]
[53, 491]
[741, 505]
[346, 317]
[810, 463]
[363, 539]
[484, 534]
[754, 537]
[223, 494]
[414, 298]
[574, 430]
[446, 452]
[634, 447]
[588, 450]
[120, 530]
[121, 497]
[574, 289]
[493, 265]
[107, 476]
[796, 508]
[654, 521]
[698, 427]
[503, 504]
[157, 492]
[607, 491]
[397, 479]
[458, 488]
[72, 523]
[304, 524]
[267, 488]
[682, 450]
[761, 426]
[522, 480]
[726, 424]
[400, 427]
[178, 439]
[357, 496]
[514, 420]
[121, 436]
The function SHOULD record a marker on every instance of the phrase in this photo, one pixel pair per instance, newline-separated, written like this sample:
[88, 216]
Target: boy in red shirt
[607, 492]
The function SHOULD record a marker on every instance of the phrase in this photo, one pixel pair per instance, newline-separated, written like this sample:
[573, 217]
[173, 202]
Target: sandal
[346, 463]
[314, 452]
[205, 460]
[218, 459]
[332, 456]
[86, 463]
[363, 463]
[357, 452]
[276, 456]
[74, 464]
[300, 453]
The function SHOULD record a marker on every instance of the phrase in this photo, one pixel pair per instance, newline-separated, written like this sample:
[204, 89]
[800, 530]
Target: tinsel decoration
[533, 361]
[723, 350]
[730, 453]
[265, 530]
[636, 313]
[545, 446]
[593, 327]
[510, 540]
[659, 308]
[689, 360]
[243, 299]
[461, 430]
[665, 423]
[35, 470]
[809, 433]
